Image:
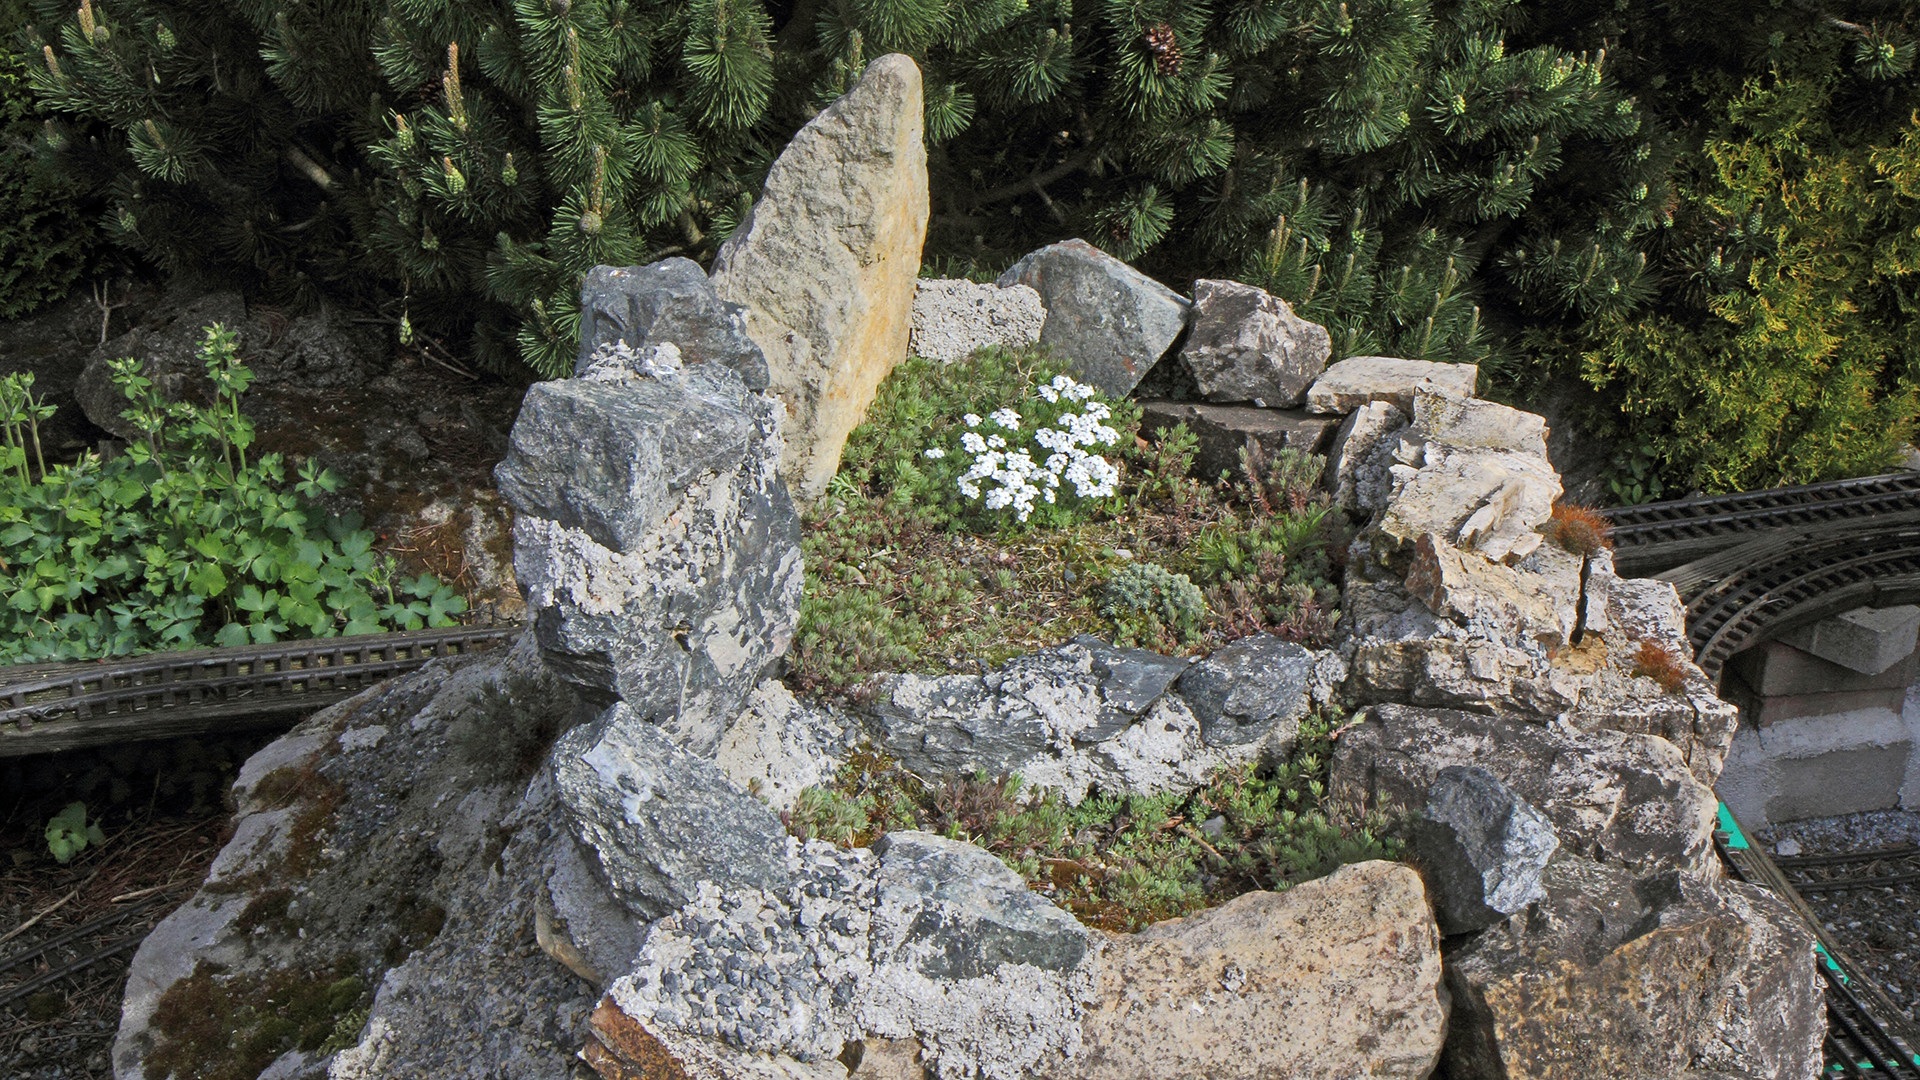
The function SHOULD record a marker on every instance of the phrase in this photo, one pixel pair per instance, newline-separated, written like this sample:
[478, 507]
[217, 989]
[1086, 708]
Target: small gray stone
[659, 819]
[1248, 345]
[1131, 680]
[667, 302]
[954, 911]
[1483, 849]
[1110, 322]
[1251, 690]
[1223, 432]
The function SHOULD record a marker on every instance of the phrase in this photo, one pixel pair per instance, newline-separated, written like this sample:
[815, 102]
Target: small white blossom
[973, 443]
[1006, 418]
[971, 419]
[997, 441]
[935, 453]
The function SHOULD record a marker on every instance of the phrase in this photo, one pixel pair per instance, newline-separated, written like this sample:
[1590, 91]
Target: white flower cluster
[1018, 480]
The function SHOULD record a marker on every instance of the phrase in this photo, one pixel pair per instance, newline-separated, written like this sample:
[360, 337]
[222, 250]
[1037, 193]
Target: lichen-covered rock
[1613, 797]
[1334, 977]
[781, 746]
[951, 910]
[1462, 421]
[1353, 382]
[667, 302]
[1108, 321]
[826, 263]
[1086, 715]
[1490, 501]
[1253, 690]
[700, 593]
[1248, 345]
[1482, 849]
[660, 819]
[1644, 979]
[953, 317]
[1537, 606]
[368, 842]
[1361, 459]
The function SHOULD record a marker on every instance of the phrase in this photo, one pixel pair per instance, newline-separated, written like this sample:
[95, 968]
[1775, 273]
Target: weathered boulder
[1224, 432]
[667, 302]
[826, 263]
[1334, 977]
[1361, 457]
[168, 351]
[1251, 690]
[1463, 423]
[1481, 848]
[1537, 606]
[1110, 322]
[1086, 714]
[612, 459]
[387, 839]
[781, 746]
[1627, 799]
[660, 820]
[953, 317]
[1490, 501]
[1248, 345]
[950, 910]
[1608, 978]
[922, 939]
[661, 558]
[1353, 382]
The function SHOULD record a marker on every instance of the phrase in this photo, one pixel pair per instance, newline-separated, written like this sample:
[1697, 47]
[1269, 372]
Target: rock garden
[1114, 690]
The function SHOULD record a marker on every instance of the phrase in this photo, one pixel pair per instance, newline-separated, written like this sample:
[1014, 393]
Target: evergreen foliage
[44, 243]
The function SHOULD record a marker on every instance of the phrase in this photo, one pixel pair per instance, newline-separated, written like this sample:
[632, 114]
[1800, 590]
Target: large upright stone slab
[826, 263]
[1110, 322]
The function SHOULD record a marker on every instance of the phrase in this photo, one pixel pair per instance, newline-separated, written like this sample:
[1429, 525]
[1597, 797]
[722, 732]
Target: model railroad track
[45, 708]
[1753, 563]
[1865, 1040]
[1852, 870]
[1655, 537]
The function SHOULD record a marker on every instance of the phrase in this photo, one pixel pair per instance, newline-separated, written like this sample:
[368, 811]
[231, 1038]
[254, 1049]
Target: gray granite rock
[670, 301]
[1110, 322]
[1483, 849]
[1072, 718]
[1613, 797]
[659, 819]
[1224, 432]
[661, 562]
[612, 459]
[1248, 345]
[1359, 464]
[952, 910]
[1253, 690]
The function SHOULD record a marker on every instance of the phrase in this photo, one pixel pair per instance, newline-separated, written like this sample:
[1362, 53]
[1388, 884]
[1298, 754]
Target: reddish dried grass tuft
[1579, 529]
[1657, 662]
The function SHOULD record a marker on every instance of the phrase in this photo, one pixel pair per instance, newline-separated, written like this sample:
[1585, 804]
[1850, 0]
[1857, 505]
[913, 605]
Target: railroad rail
[1865, 1039]
[1753, 563]
[46, 708]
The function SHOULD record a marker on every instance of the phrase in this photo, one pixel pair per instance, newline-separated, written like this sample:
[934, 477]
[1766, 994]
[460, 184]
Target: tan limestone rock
[1335, 977]
[1353, 382]
[1490, 501]
[1496, 599]
[889, 1059]
[826, 264]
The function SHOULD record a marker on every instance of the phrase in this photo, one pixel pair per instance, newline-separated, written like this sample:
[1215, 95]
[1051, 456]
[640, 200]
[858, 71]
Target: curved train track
[1753, 563]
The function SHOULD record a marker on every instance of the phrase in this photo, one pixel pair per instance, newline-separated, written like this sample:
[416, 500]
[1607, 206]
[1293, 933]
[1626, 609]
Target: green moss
[1120, 862]
[216, 1026]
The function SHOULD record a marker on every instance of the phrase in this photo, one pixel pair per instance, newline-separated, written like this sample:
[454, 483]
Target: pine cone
[1165, 50]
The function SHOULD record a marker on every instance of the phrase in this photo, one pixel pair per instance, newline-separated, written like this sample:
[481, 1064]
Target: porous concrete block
[1910, 789]
[1764, 711]
[953, 317]
[1775, 668]
[1821, 766]
[1868, 640]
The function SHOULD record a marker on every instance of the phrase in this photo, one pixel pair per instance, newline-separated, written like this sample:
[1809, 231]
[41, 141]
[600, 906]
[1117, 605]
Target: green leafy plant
[185, 539]
[1152, 592]
[70, 832]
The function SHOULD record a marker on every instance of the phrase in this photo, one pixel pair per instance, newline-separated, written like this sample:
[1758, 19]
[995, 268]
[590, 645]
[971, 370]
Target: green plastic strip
[1736, 839]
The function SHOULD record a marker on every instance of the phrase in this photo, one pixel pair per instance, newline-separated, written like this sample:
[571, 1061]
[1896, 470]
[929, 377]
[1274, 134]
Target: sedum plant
[185, 539]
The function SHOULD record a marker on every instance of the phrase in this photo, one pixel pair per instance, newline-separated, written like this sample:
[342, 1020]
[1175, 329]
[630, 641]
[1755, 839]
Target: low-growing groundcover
[1120, 862]
[970, 523]
[919, 557]
[183, 540]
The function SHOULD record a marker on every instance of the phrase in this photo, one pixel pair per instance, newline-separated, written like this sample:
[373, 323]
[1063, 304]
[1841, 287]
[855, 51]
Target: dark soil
[161, 807]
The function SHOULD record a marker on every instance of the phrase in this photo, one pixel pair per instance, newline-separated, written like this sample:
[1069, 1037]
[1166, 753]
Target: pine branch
[1034, 182]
